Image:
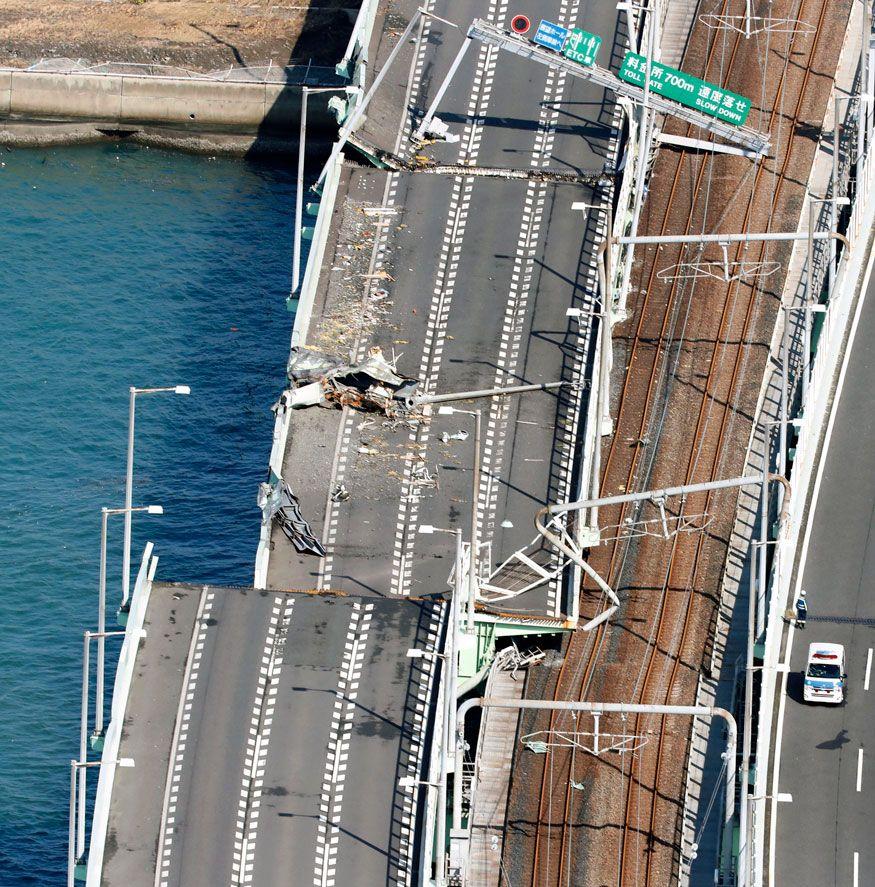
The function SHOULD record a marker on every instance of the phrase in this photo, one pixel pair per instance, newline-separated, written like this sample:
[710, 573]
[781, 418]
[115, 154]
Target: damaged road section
[373, 385]
[280, 503]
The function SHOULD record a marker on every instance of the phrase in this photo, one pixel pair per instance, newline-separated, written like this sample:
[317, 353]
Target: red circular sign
[520, 24]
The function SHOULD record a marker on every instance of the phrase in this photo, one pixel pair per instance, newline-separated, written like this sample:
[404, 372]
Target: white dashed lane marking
[261, 721]
[411, 761]
[341, 460]
[337, 756]
[180, 738]
[442, 295]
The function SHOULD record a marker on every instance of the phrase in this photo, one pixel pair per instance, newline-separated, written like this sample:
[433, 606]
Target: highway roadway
[827, 764]
[296, 713]
[289, 715]
[483, 270]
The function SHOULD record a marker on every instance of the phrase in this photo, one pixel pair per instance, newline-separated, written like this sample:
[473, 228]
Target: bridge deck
[282, 721]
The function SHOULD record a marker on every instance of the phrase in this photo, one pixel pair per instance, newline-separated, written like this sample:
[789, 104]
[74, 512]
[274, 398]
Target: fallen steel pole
[487, 392]
[544, 516]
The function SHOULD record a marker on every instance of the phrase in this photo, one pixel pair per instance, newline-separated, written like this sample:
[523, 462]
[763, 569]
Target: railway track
[642, 851]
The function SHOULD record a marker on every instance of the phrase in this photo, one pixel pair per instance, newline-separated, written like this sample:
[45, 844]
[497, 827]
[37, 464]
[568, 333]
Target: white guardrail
[357, 50]
[123, 677]
[303, 315]
[356, 56]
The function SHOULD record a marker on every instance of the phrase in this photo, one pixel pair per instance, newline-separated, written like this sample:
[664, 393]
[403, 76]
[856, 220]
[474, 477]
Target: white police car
[824, 679]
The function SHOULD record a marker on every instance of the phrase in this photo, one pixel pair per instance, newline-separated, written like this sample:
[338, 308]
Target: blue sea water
[121, 266]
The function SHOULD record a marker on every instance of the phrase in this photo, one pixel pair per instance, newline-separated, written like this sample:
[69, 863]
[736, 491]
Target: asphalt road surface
[828, 752]
[299, 714]
[483, 270]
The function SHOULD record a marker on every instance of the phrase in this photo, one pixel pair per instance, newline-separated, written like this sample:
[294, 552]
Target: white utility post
[451, 670]
[494, 35]
[645, 126]
[751, 237]
[129, 480]
[476, 415]
[460, 835]
[299, 193]
[101, 607]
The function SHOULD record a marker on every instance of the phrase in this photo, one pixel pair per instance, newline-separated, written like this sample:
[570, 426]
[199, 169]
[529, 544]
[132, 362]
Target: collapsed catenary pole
[544, 515]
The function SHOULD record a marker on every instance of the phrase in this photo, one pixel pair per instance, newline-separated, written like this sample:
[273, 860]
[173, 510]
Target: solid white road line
[868, 669]
[859, 768]
[856, 869]
[846, 359]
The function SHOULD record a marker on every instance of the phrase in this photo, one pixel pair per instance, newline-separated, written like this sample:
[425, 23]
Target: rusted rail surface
[640, 846]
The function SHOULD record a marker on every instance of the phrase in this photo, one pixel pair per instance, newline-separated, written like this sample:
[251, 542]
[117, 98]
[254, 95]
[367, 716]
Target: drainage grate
[844, 620]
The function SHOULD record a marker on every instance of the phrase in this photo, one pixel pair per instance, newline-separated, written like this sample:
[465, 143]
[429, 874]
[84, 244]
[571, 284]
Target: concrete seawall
[39, 107]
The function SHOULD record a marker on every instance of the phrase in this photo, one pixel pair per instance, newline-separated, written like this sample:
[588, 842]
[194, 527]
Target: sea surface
[121, 266]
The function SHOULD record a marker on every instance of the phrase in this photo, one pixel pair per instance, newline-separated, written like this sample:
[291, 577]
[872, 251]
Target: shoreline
[59, 134]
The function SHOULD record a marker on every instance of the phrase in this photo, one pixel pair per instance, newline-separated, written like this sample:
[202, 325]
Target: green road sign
[581, 46]
[686, 89]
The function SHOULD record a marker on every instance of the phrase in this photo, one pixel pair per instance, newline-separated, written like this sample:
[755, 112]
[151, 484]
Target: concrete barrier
[146, 100]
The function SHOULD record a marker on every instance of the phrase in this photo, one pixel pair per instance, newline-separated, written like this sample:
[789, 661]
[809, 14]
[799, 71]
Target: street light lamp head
[446, 411]
[154, 509]
[426, 529]
[413, 653]
[125, 762]
[407, 782]
[182, 389]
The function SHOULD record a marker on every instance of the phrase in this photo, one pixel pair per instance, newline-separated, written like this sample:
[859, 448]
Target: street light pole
[129, 479]
[83, 746]
[299, 193]
[72, 855]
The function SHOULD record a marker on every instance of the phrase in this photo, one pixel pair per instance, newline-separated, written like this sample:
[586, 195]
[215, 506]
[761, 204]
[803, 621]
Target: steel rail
[594, 641]
[717, 454]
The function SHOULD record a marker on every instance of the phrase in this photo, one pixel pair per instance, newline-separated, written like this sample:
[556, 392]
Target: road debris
[372, 385]
[288, 515]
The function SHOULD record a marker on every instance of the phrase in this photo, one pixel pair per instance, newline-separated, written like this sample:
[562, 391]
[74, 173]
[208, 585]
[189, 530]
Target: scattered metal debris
[422, 477]
[339, 492]
[372, 385]
[437, 129]
[293, 524]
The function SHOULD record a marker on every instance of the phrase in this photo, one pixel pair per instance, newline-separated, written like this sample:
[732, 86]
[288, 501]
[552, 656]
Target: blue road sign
[551, 35]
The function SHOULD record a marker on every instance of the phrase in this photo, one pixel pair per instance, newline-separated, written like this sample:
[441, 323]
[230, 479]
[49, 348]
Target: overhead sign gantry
[552, 46]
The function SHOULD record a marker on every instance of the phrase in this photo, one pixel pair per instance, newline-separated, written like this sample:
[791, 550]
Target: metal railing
[291, 75]
[110, 755]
